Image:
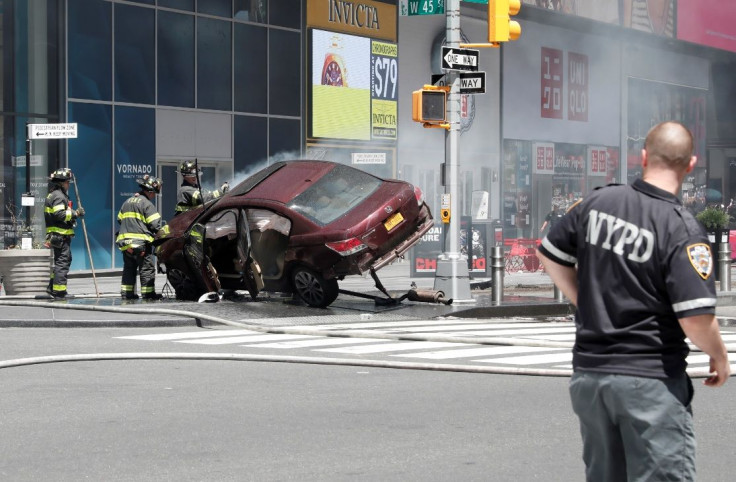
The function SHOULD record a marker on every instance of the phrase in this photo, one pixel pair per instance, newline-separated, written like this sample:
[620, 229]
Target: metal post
[497, 269]
[559, 297]
[28, 172]
[724, 266]
[452, 275]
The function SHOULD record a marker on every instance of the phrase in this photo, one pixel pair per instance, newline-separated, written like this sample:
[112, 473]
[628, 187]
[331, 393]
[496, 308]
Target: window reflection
[251, 10]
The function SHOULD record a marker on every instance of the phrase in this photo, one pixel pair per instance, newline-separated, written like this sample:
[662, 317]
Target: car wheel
[313, 288]
[184, 287]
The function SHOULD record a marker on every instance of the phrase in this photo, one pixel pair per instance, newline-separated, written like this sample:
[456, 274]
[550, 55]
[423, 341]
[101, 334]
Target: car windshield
[334, 194]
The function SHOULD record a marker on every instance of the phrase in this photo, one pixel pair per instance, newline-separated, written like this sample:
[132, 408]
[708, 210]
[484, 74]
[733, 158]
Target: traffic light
[429, 105]
[500, 26]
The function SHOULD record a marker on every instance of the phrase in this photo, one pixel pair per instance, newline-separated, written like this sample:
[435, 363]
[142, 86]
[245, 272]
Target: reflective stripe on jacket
[189, 197]
[57, 214]
[138, 221]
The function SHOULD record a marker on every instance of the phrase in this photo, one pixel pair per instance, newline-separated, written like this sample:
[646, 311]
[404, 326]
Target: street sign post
[472, 82]
[42, 131]
[454, 58]
[52, 131]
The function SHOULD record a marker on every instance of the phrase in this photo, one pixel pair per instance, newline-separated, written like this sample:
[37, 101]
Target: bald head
[669, 145]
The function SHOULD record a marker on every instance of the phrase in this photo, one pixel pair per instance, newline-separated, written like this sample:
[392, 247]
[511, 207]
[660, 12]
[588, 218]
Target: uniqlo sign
[577, 87]
[552, 83]
[597, 161]
[544, 155]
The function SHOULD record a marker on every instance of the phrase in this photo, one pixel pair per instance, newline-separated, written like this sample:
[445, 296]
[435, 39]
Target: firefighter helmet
[150, 183]
[61, 175]
[188, 168]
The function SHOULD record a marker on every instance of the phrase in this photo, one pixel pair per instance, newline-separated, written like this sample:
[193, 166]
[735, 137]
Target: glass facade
[30, 69]
[128, 60]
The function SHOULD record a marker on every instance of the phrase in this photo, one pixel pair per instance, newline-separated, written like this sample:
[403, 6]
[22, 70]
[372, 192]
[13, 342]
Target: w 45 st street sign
[421, 7]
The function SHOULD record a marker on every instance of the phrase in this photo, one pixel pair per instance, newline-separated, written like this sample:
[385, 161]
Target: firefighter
[139, 221]
[190, 195]
[60, 221]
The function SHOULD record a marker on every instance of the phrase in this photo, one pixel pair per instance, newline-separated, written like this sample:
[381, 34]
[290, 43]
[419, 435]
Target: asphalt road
[160, 420]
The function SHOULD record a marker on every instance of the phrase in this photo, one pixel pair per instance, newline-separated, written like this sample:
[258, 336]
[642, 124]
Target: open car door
[248, 267]
[199, 262]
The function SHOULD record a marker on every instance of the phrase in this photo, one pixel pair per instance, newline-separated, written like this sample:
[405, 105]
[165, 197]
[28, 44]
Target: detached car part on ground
[295, 227]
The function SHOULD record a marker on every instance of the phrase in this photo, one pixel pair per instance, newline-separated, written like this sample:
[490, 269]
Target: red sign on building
[552, 83]
[577, 83]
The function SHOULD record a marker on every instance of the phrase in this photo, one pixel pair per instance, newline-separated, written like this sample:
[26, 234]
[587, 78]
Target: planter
[25, 271]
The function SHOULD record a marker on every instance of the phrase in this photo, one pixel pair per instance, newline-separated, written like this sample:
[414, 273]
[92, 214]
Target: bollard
[724, 266]
[559, 297]
[497, 267]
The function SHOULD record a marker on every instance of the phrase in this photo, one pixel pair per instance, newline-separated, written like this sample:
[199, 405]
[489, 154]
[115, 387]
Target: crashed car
[293, 227]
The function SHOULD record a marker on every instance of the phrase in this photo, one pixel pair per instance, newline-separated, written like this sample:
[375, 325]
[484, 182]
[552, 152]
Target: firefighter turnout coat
[59, 216]
[138, 221]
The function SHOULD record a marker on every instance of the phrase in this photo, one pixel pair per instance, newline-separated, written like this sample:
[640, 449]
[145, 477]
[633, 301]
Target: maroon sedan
[295, 227]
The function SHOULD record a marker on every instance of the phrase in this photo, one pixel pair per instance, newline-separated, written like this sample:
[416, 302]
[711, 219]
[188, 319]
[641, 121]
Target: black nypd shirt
[643, 261]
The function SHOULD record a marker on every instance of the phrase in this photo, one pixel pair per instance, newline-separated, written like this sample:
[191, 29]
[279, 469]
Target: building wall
[153, 83]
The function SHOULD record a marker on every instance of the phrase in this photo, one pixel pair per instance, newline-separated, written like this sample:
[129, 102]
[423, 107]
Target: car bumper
[400, 249]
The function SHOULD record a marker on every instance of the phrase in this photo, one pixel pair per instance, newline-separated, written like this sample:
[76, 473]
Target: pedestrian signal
[429, 105]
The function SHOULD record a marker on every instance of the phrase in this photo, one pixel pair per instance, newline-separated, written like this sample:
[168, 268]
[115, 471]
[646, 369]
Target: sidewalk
[526, 294]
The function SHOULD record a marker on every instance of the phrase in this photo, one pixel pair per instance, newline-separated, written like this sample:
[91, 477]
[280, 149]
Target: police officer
[639, 268]
[552, 217]
[60, 222]
[139, 221]
[190, 195]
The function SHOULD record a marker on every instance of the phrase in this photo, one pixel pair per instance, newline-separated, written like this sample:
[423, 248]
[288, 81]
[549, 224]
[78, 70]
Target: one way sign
[473, 83]
[459, 59]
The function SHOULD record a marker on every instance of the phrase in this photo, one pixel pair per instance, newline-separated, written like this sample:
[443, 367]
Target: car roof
[284, 180]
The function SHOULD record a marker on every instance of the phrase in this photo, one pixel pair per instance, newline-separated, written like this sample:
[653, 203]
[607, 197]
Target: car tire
[313, 288]
[184, 287]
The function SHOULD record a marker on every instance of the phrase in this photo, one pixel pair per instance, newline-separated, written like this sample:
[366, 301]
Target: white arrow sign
[459, 59]
[52, 131]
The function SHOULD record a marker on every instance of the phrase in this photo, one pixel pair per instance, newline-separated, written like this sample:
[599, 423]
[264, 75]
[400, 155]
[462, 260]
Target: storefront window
[91, 162]
[175, 59]
[134, 54]
[539, 177]
[90, 43]
[251, 10]
[251, 144]
[650, 103]
[214, 65]
[250, 83]
[284, 72]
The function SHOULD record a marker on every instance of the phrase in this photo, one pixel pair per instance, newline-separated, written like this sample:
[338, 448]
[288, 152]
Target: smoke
[253, 168]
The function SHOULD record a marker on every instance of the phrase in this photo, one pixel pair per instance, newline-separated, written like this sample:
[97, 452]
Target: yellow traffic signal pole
[452, 275]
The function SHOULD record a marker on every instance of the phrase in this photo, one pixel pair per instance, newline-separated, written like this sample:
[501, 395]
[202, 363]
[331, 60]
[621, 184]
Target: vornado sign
[369, 19]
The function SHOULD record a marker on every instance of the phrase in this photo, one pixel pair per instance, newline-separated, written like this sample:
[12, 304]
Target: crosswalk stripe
[389, 347]
[483, 329]
[563, 337]
[520, 332]
[187, 335]
[531, 359]
[473, 352]
[231, 340]
[318, 342]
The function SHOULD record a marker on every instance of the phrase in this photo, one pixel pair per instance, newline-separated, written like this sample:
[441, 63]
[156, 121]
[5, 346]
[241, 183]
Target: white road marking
[473, 352]
[389, 347]
[531, 359]
[188, 335]
[332, 340]
[231, 340]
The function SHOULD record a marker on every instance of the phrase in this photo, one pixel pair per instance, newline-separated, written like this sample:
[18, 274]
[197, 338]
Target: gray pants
[635, 428]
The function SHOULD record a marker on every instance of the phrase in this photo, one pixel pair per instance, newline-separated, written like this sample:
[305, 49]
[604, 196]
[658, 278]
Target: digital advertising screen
[354, 87]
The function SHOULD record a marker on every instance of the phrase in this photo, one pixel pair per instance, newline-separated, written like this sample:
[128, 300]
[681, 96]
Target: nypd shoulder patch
[701, 259]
